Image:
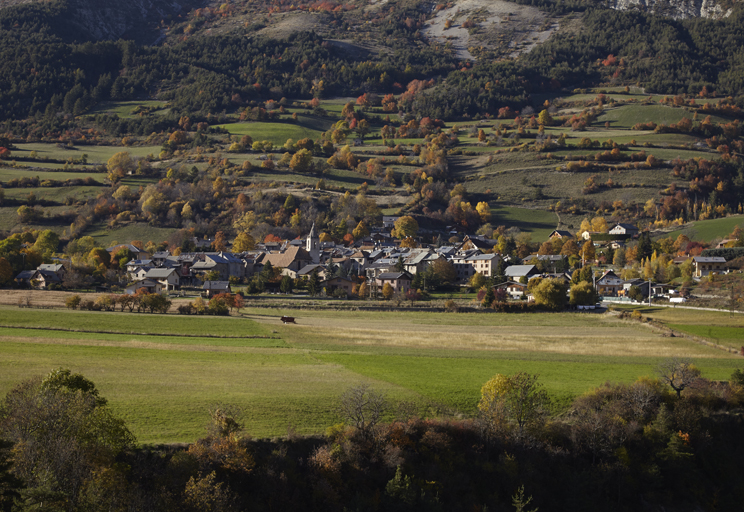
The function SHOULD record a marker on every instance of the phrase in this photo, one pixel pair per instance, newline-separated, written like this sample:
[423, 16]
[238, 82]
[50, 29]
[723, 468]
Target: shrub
[73, 302]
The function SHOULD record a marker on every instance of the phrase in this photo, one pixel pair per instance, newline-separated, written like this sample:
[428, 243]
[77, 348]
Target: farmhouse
[516, 272]
[560, 233]
[514, 289]
[212, 288]
[624, 229]
[609, 284]
[705, 265]
[400, 281]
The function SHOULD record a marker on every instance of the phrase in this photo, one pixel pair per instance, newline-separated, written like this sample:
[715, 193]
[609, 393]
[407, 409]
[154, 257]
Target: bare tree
[679, 373]
[362, 407]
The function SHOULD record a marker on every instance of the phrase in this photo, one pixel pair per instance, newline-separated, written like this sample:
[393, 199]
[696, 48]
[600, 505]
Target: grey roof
[624, 225]
[132, 248]
[161, 255]
[479, 257]
[216, 285]
[519, 270]
[204, 265]
[394, 275]
[159, 273]
[709, 259]
[309, 269]
[139, 263]
[25, 274]
[51, 267]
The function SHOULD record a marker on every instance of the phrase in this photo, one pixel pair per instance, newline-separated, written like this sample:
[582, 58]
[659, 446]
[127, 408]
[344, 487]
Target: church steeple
[312, 245]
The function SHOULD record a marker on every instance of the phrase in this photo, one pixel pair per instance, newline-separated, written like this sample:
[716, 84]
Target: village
[383, 266]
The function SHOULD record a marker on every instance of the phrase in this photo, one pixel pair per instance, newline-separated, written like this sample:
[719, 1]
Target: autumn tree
[65, 436]
[518, 399]
[551, 294]
[360, 231]
[583, 294]
[484, 211]
[243, 242]
[404, 227]
[301, 161]
[387, 291]
[119, 166]
[588, 253]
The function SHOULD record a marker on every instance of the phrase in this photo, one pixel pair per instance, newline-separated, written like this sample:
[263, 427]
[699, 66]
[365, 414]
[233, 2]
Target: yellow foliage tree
[484, 211]
[387, 291]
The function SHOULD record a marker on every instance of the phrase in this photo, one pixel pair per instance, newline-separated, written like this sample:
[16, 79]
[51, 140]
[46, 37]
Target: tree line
[670, 442]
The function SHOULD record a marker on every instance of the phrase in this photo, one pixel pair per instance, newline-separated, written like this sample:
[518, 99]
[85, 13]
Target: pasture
[162, 372]
[707, 230]
[278, 132]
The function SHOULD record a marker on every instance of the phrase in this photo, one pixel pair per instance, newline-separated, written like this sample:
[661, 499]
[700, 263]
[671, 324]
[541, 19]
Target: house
[417, 261]
[476, 242]
[516, 272]
[400, 281]
[587, 235]
[24, 277]
[167, 277]
[514, 289]
[159, 258]
[705, 265]
[57, 268]
[560, 233]
[463, 268]
[307, 271]
[484, 263]
[150, 285]
[609, 285]
[42, 279]
[212, 288]
[622, 228]
[137, 253]
[388, 221]
[293, 259]
[338, 283]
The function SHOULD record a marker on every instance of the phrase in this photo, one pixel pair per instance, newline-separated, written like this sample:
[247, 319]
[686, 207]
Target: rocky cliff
[677, 9]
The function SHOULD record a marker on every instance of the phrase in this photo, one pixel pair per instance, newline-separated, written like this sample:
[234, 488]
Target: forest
[45, 70]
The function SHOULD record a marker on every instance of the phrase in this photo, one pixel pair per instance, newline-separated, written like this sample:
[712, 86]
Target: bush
[339, 293]
[186, 309]
[450, 306]
[73, 302]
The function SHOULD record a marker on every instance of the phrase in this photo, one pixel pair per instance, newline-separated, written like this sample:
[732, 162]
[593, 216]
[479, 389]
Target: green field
[707, 230]
[125, 109]
[539, 223]
[128, 232]
[96, 154]
[279, 132]
[9, 173]
[162, 381]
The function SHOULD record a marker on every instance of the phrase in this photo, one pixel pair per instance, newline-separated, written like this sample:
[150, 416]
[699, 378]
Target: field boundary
[140, 333]
[673, 333]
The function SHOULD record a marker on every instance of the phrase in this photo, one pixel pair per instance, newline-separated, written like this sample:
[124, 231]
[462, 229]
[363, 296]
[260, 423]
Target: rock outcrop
[677, 9]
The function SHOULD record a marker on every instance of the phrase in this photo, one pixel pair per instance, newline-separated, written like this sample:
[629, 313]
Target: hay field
[162, 372]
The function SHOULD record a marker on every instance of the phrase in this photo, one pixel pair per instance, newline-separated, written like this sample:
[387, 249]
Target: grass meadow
[278, 132]
[707, 230]
[162, 372]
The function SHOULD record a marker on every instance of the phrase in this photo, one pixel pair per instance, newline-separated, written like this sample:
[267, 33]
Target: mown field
[162, 372]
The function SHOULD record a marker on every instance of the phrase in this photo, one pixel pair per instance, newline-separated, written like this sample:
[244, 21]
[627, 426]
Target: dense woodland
[46, 70]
